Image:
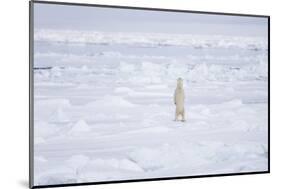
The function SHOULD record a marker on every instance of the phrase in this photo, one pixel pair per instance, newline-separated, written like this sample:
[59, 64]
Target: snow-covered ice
[103, 104]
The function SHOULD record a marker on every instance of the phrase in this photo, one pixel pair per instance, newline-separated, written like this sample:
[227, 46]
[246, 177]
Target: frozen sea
[103, 105]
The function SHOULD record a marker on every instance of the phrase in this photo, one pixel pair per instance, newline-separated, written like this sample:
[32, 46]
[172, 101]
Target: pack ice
[103, 106]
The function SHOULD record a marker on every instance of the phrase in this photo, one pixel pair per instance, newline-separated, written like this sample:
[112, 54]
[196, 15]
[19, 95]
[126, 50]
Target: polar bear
[179, 100]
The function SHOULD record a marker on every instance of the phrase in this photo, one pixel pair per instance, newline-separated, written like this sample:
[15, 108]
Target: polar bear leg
[182, 115]
[176, 116]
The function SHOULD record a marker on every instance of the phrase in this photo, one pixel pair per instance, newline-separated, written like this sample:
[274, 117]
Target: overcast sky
[53, 16]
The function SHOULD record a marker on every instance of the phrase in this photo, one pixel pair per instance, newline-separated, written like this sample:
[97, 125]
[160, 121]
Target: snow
[111, 101]
[104, 109]
[59, 116]
[80, 127]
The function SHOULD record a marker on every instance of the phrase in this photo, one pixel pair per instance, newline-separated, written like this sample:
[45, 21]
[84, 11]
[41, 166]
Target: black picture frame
[31, 94]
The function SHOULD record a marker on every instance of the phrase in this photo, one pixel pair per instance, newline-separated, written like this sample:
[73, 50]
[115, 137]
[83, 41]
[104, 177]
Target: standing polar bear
[179, 100]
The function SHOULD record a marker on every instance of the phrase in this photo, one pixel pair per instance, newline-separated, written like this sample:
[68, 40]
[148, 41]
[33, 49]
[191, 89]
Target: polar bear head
[180, 83]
